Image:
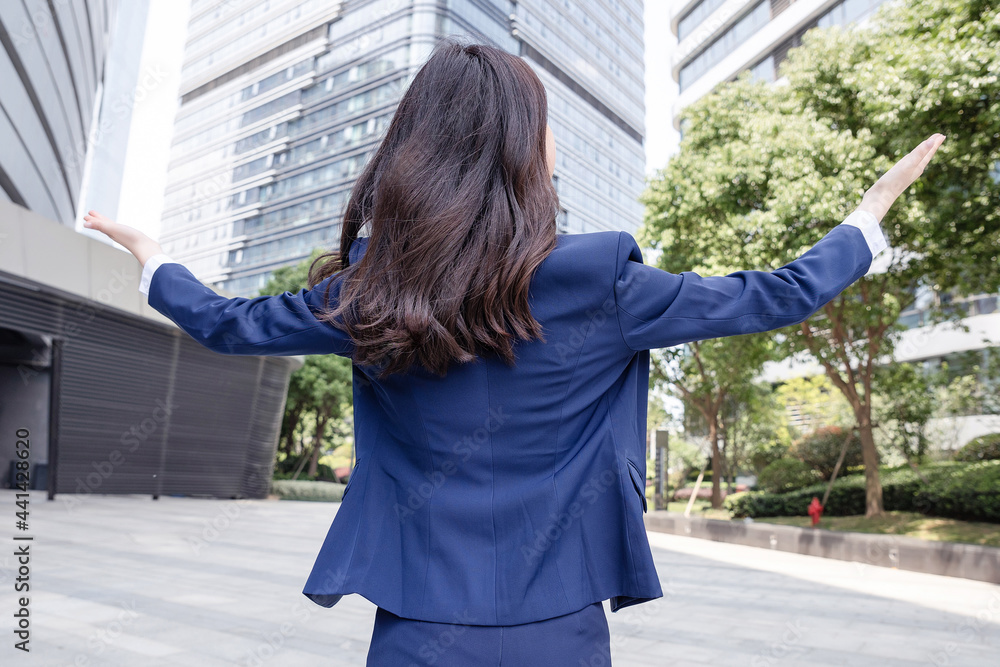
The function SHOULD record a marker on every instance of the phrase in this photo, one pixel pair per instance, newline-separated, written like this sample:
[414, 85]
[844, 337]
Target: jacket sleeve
[285, 324]
[660, 309]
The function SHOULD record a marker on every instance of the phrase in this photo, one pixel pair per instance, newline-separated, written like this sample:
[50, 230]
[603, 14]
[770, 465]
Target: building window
[849, 11]
[764, 70]
[696, 16]
[725, 43]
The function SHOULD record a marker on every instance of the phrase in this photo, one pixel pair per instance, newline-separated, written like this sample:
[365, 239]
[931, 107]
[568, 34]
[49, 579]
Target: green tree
[756, 429]
[319, 392]
[815, 401]
[904, 403]
[764, 171]
[705, 374]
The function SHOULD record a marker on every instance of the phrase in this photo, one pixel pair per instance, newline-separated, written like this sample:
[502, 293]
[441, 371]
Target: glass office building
[283, 101]
[719, 39]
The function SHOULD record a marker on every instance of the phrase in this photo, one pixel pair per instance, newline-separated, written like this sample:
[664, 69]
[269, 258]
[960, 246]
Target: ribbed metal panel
[272, 388]
[115, 372]
[145, 409]
[205, 446]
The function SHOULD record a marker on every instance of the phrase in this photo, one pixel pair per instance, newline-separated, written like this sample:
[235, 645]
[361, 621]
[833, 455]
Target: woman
[500, 372]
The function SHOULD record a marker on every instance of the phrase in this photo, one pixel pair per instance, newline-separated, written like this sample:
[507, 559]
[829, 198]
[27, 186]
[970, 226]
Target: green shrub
[983, 448]
[956, 490]
[285, 470]
[970, 492]
[821, 448]
[307, 490]
[765, 454]
[786, 475]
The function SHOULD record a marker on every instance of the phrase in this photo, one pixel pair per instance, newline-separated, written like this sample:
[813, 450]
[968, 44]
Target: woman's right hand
[894, 182]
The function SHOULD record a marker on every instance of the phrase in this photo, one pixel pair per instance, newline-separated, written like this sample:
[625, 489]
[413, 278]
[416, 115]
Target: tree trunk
[727, 459]
[289, 441]
[713, 438]
[317, 447]
[869, 455]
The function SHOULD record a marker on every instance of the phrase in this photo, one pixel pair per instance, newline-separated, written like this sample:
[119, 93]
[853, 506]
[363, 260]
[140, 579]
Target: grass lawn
[910, 524]
[702, 508]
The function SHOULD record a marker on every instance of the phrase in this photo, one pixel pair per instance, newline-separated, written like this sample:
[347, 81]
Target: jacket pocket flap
[638, 481]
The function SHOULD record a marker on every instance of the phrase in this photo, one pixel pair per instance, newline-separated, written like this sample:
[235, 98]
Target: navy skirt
[579, 639]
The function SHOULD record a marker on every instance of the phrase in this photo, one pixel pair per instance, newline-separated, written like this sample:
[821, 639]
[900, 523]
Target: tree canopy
[320, 392]
[764, 171]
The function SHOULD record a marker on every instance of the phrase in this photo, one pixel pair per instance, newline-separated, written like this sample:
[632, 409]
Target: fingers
[930, 146]
[912, 165]
[94, 220]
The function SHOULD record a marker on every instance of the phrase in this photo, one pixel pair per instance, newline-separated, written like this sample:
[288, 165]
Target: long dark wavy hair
[462, 210]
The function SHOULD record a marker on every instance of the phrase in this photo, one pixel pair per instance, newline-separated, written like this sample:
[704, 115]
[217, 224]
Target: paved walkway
[130, 581]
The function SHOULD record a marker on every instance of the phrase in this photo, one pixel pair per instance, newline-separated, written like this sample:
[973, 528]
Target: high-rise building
[283, 101]
[99, 393]
[719, 39]
[52, 68]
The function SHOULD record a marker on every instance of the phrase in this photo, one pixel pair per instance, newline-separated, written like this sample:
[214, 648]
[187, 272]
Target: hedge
[786, 475]
[983, 448]
[960, 491]
[299, 489]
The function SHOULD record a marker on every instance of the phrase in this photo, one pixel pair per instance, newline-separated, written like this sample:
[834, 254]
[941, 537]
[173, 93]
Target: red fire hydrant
[815, 510]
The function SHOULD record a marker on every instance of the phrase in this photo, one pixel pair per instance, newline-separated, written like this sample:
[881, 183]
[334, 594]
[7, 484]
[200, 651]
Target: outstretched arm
[660, 309]
[285, 324]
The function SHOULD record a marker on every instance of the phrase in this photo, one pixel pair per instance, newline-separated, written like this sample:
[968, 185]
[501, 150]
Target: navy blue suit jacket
[504, 495]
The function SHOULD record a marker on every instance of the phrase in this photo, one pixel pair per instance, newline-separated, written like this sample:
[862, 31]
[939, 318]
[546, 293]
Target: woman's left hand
[134, 241]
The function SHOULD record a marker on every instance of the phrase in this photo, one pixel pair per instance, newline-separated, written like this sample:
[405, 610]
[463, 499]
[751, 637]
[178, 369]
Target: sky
[661, 90]
[148, 153]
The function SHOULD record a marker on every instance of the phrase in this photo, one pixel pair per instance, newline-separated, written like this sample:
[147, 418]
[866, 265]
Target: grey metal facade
[52, 63]
[283, 102]
[112, 396]
[136, 405]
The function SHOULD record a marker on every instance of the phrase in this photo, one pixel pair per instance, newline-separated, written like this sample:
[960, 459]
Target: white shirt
[863, 220]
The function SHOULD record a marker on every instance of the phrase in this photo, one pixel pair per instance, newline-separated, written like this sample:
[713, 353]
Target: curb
[950, 559]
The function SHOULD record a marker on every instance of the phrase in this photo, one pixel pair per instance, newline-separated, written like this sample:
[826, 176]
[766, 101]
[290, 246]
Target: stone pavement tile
[819, 638]
[627, 659]
[192, 658]
[675, 651]
[633, 643]
[217, 580]
[828, 657]
[96, 639]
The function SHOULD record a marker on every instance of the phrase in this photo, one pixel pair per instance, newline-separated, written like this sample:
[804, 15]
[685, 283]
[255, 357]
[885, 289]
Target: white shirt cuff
[868, 224]
[149, 268]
